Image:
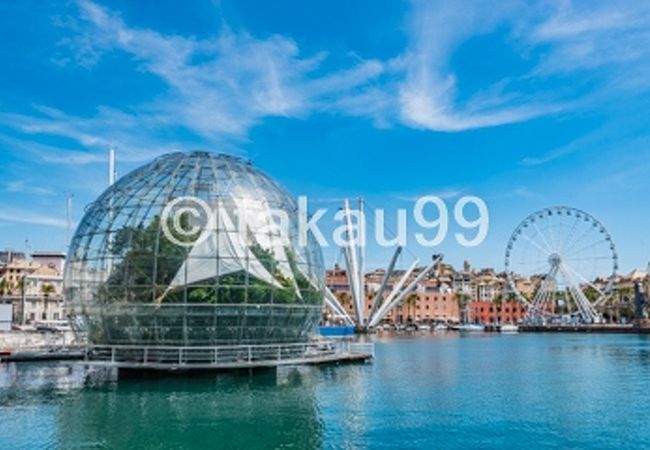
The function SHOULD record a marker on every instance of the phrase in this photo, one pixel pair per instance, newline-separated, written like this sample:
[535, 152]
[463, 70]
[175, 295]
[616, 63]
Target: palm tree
[410, 302]
[4, 287]
[344, 298]
[625, 293]
[47, 289]
[463, 301]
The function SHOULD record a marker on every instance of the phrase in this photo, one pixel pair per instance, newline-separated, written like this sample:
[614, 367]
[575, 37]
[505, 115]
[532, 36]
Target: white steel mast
[387, 307]
[380, 292]
[352, 266]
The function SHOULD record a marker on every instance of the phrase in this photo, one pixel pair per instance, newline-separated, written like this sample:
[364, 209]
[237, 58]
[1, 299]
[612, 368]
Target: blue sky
[524, 104]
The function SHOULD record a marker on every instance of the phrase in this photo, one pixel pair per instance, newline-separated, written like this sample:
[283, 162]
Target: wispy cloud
[23, 187]
[227, 84]
[428, 96]
[92, 135]
[218, 88]
[526, 194]
[445, 194]
[594, 35]
[607, 43]
[622, 132]
[30, 218]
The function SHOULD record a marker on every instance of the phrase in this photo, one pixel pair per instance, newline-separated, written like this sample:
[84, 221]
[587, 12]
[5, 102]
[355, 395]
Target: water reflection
[76, 409]
[488, 391]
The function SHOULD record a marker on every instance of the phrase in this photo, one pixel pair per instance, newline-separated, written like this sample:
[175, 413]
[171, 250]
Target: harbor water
[446, 390]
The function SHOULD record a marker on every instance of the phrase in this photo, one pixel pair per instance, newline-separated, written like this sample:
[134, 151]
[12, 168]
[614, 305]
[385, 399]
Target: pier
[585, 328]
[227, 357]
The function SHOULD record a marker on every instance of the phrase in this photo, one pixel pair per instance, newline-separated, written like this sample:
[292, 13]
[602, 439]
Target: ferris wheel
[561, 261]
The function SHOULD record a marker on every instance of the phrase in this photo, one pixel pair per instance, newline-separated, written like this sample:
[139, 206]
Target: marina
[243, 224]
[449, 390]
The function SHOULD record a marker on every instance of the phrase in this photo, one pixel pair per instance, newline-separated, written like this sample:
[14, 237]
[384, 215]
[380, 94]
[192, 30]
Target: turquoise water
[475, 391]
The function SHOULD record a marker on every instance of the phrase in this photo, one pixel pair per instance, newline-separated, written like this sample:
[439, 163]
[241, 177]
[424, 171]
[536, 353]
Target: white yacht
[508, 328]
[470, 327]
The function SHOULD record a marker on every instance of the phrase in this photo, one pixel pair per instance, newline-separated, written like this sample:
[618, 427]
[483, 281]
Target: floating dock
[170, 358]
[593, 328]
[54, 353]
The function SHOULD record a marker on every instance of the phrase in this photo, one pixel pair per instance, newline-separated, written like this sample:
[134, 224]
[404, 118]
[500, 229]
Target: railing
[226, 356]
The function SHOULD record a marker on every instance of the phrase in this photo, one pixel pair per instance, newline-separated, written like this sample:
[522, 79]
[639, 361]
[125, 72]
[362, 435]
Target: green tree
[591, 293]
[47, 289]
[5, 288]
[147, 262]
[410, 302]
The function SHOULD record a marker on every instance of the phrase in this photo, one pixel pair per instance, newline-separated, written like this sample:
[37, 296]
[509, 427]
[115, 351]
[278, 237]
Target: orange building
[493, 313]
[428, 303]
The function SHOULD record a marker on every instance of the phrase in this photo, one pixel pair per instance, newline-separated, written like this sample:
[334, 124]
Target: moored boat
[509, 328]
[469, 328]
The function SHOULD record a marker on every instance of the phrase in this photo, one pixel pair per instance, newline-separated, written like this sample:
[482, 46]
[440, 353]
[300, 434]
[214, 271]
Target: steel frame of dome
[127, 284]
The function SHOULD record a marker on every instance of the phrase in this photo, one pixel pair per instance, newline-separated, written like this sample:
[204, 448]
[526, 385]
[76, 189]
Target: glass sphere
[194, 249]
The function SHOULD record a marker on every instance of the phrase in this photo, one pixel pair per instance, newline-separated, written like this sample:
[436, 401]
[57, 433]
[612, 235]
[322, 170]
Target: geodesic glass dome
[194, 249]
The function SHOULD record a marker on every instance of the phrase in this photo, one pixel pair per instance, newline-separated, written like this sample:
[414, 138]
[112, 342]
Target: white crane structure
[354, 257]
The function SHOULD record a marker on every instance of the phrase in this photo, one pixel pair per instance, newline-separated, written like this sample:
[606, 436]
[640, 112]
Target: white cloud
[30, 218]
[444, 193]
[606, 39]
[218, 88]
[227, 84]
[23, 187]
[428, 96]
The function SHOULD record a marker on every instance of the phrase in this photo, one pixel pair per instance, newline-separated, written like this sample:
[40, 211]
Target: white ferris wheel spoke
[587, 258]
[576, 273]
[543, 291]
[590, 246]
[539, 247]
[568, 237]
[586, 308]
[549, 228]
[584, 234]
[541, 235]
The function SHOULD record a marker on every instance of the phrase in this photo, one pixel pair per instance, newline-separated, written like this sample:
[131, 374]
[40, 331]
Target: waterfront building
[476, 295]
[625, 284]
[495, 313]
[33, 287]
[488, 285]
[6, 316]
[432, 300]
[13, 272]
[463, 282]
[52, 260]
[8, 255]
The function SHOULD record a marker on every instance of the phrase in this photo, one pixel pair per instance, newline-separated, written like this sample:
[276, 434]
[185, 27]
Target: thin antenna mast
[68, 213]
[111, 181]
[111, 166]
